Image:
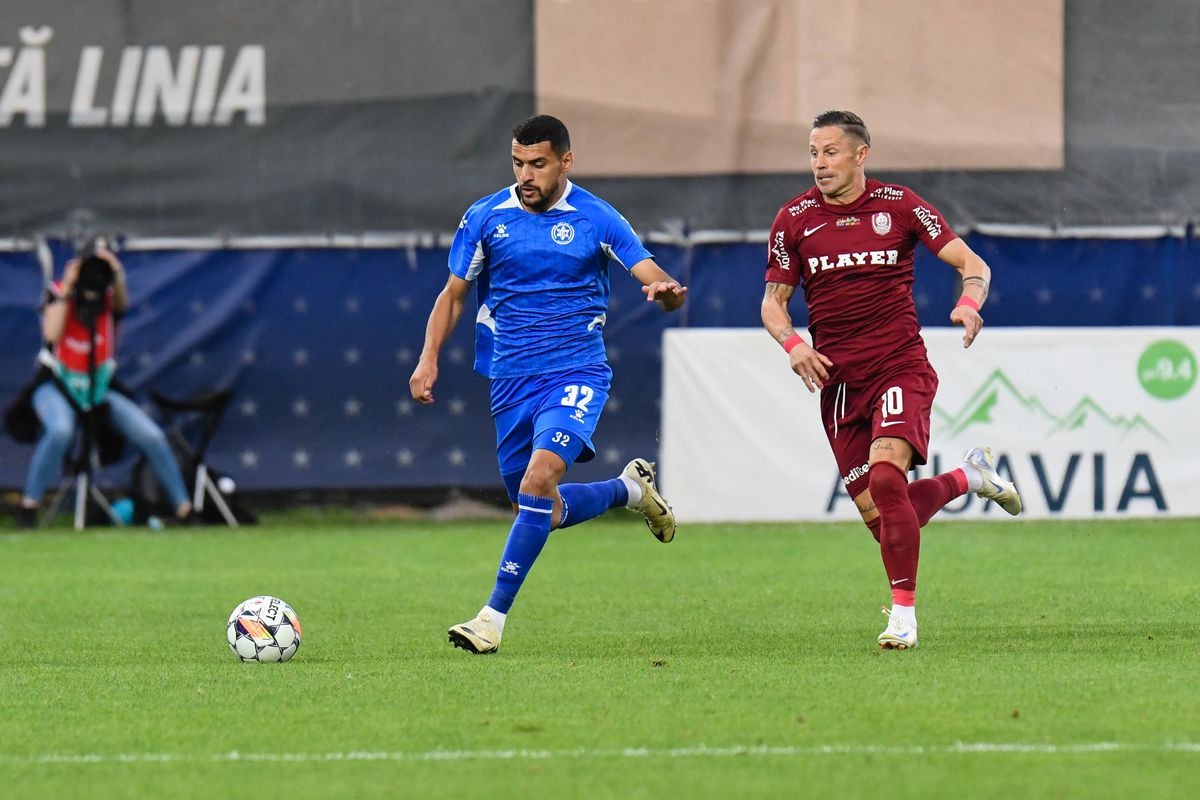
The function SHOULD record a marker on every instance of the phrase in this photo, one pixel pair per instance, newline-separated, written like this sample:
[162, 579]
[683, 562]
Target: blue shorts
[557, 411]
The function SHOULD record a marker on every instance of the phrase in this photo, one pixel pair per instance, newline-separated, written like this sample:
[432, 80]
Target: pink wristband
[790, 343]
[967, 301]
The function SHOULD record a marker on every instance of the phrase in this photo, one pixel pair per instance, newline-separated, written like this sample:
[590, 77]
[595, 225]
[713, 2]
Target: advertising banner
[1089, 422]
[735, 89]
[272, 117]
[230, 119]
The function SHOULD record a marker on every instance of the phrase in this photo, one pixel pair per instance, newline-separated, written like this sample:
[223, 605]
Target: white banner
[1089, 422]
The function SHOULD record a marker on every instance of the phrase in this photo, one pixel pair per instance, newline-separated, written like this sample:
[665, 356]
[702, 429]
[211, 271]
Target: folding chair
[206, 408]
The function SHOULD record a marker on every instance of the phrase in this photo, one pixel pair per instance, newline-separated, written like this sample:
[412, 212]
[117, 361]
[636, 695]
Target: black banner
[233, 117]
[272, 117]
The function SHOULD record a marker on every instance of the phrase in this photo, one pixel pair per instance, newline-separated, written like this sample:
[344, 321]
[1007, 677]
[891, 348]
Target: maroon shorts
[854, 415]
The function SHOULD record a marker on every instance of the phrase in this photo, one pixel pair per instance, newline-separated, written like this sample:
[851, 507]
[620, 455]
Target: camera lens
[95, 274]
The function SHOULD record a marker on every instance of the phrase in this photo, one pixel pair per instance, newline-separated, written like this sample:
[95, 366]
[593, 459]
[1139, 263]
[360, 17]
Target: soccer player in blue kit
[537, 253]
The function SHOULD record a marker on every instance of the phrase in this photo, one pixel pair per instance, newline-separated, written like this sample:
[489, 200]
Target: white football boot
[477, 635]
[660, 519]
[1003, 492]
[898, 635]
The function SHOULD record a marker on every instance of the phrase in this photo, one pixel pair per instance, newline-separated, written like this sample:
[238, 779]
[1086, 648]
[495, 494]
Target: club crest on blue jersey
[562, 233]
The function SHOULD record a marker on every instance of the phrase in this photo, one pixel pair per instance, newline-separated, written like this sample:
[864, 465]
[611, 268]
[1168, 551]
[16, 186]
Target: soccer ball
[263, 628]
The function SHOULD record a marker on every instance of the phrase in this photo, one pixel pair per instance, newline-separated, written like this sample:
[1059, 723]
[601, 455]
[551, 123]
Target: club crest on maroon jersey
[881, 222]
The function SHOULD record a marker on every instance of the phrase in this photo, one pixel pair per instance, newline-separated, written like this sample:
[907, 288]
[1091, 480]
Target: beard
[537, 202]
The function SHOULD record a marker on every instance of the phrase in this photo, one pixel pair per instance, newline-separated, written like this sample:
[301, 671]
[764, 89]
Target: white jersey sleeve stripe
[477, 262]
[612, 254]
[484, 317]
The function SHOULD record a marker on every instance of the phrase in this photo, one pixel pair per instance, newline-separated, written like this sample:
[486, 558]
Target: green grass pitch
[1056, 660]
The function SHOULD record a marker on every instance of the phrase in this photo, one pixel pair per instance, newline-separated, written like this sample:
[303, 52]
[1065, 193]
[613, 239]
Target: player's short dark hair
[848, 121]
[543, 128]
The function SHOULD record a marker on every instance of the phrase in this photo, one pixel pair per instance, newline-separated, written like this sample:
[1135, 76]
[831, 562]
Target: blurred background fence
[318, 343]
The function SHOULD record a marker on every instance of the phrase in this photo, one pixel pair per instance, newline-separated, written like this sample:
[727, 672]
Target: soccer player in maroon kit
[849, 242]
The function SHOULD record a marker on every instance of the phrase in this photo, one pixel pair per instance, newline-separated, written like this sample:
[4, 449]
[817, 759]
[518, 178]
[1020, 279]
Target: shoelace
[899, 623]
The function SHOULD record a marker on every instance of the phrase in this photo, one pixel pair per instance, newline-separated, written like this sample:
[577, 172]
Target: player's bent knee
[887, 481]
[543, 474]
[539, 483]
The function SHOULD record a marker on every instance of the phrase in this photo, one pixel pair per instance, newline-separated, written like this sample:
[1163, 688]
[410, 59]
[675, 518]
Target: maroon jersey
[855, 265]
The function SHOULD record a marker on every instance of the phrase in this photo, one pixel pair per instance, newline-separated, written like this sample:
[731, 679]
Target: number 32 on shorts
[577, 397]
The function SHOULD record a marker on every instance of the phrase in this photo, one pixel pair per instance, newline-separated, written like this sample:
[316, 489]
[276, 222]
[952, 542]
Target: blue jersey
[541, 279]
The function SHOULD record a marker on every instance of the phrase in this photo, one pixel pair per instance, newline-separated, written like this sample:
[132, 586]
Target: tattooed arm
[806, 362]
[976, 280]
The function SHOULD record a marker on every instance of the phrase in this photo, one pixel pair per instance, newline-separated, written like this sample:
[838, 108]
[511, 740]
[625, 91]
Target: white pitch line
[699, 751]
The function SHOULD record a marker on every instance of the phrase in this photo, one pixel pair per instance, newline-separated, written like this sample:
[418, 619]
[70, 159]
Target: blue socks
[531, 529]
[584, 501]
[528, 536]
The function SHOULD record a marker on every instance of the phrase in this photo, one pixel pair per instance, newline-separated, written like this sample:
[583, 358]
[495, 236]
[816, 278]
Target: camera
[95, 276]
[95, 273]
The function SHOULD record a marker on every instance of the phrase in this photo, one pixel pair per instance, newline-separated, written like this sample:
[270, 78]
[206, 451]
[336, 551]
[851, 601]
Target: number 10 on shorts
[892, 402]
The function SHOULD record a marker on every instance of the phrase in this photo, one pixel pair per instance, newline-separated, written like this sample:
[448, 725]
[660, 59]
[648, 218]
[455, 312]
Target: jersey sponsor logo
[810, 231]
[562, 233]
[888, 193]
[861, 259]
[779, 250]
[802, 206]
[848, 222]
[856, 473]
[82, 346]
[929, 220]
[501, 232]
[881, 223]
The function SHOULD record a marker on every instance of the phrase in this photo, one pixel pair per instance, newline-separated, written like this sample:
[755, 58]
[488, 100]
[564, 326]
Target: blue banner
[317, 345]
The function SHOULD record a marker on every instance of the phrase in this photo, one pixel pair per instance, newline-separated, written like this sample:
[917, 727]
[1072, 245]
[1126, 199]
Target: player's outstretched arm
[658, 286]
[976, 280]
[442, 319]
[811, 366]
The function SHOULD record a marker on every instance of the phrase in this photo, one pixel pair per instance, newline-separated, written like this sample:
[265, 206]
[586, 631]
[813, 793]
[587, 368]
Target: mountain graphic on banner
[999, 400]
[1086, 413]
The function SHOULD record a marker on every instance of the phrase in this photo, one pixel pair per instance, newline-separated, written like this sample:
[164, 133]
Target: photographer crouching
[75, 378]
